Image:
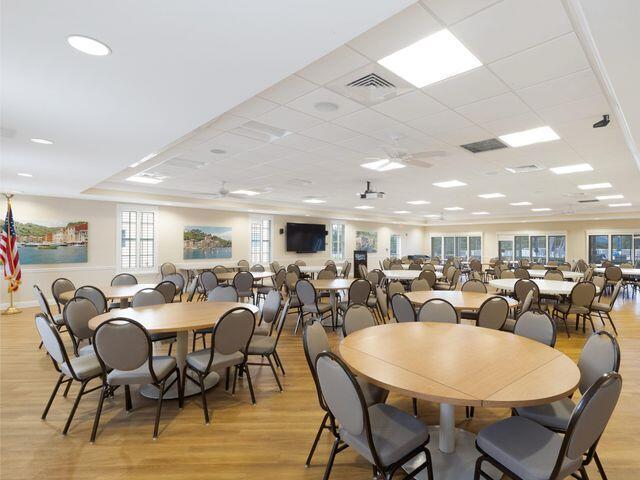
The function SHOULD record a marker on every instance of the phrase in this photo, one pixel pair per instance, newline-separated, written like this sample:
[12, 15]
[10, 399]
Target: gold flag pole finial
[11, 309]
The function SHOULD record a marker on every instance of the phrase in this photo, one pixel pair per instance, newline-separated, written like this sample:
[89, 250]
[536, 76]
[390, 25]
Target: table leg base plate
[190, 388]
[459, 465]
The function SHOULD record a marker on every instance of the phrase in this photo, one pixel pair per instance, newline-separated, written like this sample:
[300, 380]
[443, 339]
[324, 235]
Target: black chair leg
[332, 456]
[596, 458]
[66, 390]
[583, 473]
[275, 374]
[159, 409]
[74, 408]
[205, 407]
[53, 394]
[96, 421]
[253, 395]
[315, 441]
[415, 407]
[612, 324]
[127, 398]
[277, 357]
[226, 380]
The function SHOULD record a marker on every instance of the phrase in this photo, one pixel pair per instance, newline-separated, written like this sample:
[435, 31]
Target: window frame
[511, 236]
[614, 232]
[457, 237]
[259, 219]
[342, 226]
[140, 210]
[398, 254]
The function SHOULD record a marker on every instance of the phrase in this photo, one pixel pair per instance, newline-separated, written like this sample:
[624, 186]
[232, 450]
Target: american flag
[9, 252]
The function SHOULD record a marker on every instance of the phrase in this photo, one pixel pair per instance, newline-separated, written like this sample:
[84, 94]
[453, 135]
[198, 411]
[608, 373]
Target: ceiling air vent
[371, 80]
[484, 145]
[260, 131]
[594, 200]
[525, 168]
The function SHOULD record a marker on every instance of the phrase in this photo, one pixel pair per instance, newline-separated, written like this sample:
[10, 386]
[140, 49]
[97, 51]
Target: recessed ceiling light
[314, 200]
[218, 151]
[542, 209]
[42, 141]
[144, 179]
[578, 167]
[434, 58]
[326, 106]
[491, 195]
[453, 209]
[594, 186]
[431, 215]
[383, 165]
[402, 212]
[519, 204]
[364, 207]
[249, 193]
[479, 213]
[142, 160]
[88, 45]
[449, 184]
[609, 197]
[619, 204]
[529, 137]
[25, 175]
[418, 202]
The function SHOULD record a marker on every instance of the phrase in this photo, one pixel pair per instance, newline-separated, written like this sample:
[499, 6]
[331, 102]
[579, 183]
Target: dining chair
[60, 286]
[554, 275]
[415, 266]
[357, 317]
[524, 449]
[220, 269]
[522, 287]
[510, 323]
[600, 355]
[419, 285]
[167, 289]
[76, 315]
[207, 280]
[346, 269]
[57, 319]
[613, 274]
[507, 274]
[473, 286]
[243, 265]
[178, 280]
[269, 314]
[396, 266]
[430, 277]
[382, 304]
[429, 267]
[402, 308]
[606, 308]
[223, 293]
[81, 369]
[393, 288]
[359, 292]
[580, 300]
[453, 275]
[493, 313]
[326, 274]
[301, 263]
[243, 282]
[600, 282]
[306, 292]
[123, 347]
[167, 268]
[275, 266]
[290, 280]
[148, 297]
[124, 279]
[438, 310]
[521, 273]
[536, 325]
[95, 295]
[230, 339]
[404, 436]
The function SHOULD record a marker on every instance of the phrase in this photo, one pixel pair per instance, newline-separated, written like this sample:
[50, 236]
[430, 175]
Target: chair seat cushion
[262, 330]
[162, 366]
[86, 350]
[372, 393]
[321, 308]
[262, 345]
[200, 359]
[395, 433]
[509, 325]
[442, 286]
[600, 307]
[552, 415]
[572, 309]
[527, 449]
[84, 366]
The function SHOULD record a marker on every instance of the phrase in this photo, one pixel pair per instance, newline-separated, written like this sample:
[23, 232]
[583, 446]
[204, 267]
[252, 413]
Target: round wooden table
[179, 317]
[459, 300]
[332, 286]
[459, 365]
[115, 292]
[313, 269]
[228, 276]
[405, 274]
[547, 287]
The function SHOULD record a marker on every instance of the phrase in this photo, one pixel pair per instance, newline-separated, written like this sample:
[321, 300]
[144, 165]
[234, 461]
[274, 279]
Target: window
[461, 247]
[621, 248]
[260, 240]
[137, 243]
[436, 247]
[539, 249]
[557, 248]
[475, 247]
[598, 248]
[521, 243]
[636, 252]
[395, 249]
[449, 247]
[337, 241]
[505, 250]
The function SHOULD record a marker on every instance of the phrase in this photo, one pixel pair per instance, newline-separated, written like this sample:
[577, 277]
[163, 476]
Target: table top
[405, 274]
[227, 276]
[205, 265]
[316, 268]
[459, 300]
[115, 292]
[567, 275]
[460, 364]
[335, 284]
[174, 317]
[627, 272]
[547, 287]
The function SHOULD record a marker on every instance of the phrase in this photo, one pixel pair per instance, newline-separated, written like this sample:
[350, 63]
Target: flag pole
[11, 309]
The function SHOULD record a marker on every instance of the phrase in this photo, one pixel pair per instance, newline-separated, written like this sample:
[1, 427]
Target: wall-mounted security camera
[602, 123]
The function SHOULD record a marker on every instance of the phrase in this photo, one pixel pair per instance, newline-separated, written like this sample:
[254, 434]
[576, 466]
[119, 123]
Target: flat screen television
[305, 237]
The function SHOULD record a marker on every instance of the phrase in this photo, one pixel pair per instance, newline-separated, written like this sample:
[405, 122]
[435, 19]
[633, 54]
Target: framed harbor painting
[206, 242]
[46, 242]
[367, 241]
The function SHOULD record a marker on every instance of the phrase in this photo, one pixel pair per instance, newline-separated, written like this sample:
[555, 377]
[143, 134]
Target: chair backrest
[402, 308]
[381, 298]
[393, 288]
[588, 275]
[438, 311]
[362, 269]
[552, 263]
[168, 290]
[554, 275]
[429, 276]
[177, 279]
[290, 280]
[167, 268]
[95, 295]
[123, 344]
[278, 279]
[61, 285]
[507, 274]
[243, 263]
[42, 303]
[521, 273]
[275, 266]
[522, 287]
[600, 354]
[475, 265]
[582, 294]
[232, 333]
[474, 286]
[454, 278]
[220, 269]
[536, 325]
[329, 262]
[257, 268]
[613, 273]
[208, 281]
[243, 281]
[147, 297]
[599, 281]
[192, 288]
[295, 269]
[124, 279]
[493, 313]
[271, 307]
[537, 266]
[396, 266]
[346, 269]
[428, 266]
[615, 293]
[223, 293]
[77, 313]
[565, 267]
[415, 266]
[315, 341]
[357, 317]
[332, 267]
[374, 277]
[326, 274]
[359, 291]
[301, 263]
[527, 302]
[51, 340]
[420, 285]
[306, 292]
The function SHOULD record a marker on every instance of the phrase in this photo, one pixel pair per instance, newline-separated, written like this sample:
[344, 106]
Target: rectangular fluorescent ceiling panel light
[453, 209]
[144, 179]
[578, 167]
[540, 209]
[434, 58]
[401, 212]
[382, 165]
[520, 204]
[142, 160]
[619, 204]
[432, 216]
[609, 197]
[364, 207]
[449, 184]
[314, 200]
[594, 186]
[249, 193]
[491, 195]
[479, 213]
[418, 202]
[529, 137]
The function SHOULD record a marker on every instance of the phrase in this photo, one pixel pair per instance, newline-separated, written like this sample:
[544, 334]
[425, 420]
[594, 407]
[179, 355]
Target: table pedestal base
[458, 465]
[190, 388]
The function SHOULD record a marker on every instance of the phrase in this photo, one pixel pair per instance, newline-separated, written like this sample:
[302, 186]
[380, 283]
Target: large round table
[179, 317]
[115, 292]
[567, 275]
[314, 269]
[228, 276]
[459, 300]
[405, 274]
[459, 365]
[333, 286]
[547, 287]
[626, 272]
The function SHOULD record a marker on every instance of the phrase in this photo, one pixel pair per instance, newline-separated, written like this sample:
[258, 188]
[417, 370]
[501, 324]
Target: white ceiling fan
[224, 192]
[399, 157]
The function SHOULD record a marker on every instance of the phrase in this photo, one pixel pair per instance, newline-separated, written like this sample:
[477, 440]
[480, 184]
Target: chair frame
[53, 292]
[301, 313]
[124, 275]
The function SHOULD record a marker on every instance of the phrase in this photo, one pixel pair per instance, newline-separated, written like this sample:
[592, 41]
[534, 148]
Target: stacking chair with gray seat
[243, 281]
[148, 297]
[554, 275]
[402, 308]
[419, 285]
[121, 279]
[383, 304]
[95, 295]
[81, 369]
[207, 281]
[607, 308]
[346, 269]
[60, 286]
[167, 268]
[453, 275]
[524, 449]
[580, 300]
[430, 277]
[472, 285]
[277, 281]
[384, 435]
[290, 280]
[357, 317]
[536, 325]
[178, 280]
[520, 290]
[221, 293]
[270, 309]
[56, 319]
[359, 292]
[493, 313]
[306, 293]
[123, 347]
[437, 310]
[76, 314]
[613, 274]
[315, 341]
[243, 265]
[168, 290]
[600, 355]
[521, 273]
[230, 339]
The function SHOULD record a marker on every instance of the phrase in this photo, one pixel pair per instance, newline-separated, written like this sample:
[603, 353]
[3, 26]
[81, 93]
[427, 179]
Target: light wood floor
[266, 441]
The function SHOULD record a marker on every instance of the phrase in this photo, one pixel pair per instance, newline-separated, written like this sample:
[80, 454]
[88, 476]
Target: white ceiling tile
[511, 26]
[300, 142]
[365, 121]
[555, 58]
[468, 87]
[584, 108]
[275, 151]
[561, 90]
[288, 119]
[227, 122]
[336, 64]
[440, 122]
[328, 132]
[254, 107]
[464, 135]
[453, 11]
[233, 144]
[518, 123]
[364, 144]
[336, 152]
[306, 104]
[409, 106]
[495, 108]
[407, 27]
[288, 89]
